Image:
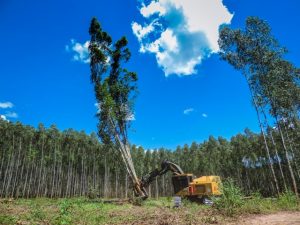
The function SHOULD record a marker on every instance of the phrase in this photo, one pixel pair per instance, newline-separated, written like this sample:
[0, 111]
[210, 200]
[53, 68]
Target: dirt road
[281, 218]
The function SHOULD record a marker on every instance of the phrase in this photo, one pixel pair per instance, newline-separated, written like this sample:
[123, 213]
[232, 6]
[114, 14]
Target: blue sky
[45, 84]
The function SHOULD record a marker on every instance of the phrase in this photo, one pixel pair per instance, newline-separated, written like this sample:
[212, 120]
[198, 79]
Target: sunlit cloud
[6, 105]
[180, 33]
[3, 118]
[80, 51]
[188, 111]
[11, 115]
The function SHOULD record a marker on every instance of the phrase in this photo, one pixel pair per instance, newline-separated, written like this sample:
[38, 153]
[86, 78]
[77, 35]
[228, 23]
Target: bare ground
[183, 216]
[280, 218]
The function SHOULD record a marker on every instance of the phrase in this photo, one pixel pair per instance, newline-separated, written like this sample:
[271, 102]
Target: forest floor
[279, 218]
[161, 212]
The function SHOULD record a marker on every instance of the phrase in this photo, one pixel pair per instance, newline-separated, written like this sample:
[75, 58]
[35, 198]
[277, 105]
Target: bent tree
[115, 89]
[273, 82]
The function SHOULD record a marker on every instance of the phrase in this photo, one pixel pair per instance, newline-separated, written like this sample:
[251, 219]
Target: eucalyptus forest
[48, 163]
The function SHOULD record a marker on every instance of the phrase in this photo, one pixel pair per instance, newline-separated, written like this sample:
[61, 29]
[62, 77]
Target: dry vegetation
[87, 211]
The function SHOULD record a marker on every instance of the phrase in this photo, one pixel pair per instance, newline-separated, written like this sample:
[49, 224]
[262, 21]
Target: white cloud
[3, 118]
[204, 115]
[6, 105]
[140, 31]
[80, 51]
[152, 8]
[188, 111]
[8, 114]
[11, 115]
[181, 33]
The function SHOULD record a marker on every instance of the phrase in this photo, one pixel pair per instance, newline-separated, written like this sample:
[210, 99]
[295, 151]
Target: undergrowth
[231, 199]
[86, 211]
[233, 202]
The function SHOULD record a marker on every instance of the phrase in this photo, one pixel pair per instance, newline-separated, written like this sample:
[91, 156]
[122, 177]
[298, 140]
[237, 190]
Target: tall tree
[115, 89]
[271, 79]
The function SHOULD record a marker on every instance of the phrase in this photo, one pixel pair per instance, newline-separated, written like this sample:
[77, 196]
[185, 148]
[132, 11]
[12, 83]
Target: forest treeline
[45, 162]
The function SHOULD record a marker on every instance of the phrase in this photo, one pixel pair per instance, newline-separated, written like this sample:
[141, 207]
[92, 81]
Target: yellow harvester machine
[184, 184]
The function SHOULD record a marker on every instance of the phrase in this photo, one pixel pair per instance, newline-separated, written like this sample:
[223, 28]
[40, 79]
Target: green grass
[233, 202]
[7, 219]
[161, 211]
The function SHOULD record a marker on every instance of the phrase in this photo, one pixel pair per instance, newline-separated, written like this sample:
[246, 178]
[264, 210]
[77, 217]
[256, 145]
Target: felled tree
[115, 89]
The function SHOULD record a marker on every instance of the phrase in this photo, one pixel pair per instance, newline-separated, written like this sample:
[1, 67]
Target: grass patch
[288, 201]
[37, 213]
[152, 211]
[233, 202]
[64, 217]
[7, 219]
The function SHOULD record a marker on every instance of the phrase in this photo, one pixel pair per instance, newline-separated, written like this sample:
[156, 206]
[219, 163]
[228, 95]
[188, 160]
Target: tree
[115, 89]
[270, 78]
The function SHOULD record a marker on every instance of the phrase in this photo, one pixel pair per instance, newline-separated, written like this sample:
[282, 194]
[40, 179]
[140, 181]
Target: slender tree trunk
[26, 179]
[41, 167]
[2, 165]
[287, 158]
[126, 186]
[81, 176]
[279, 161]
[106, 178]
[292, 149]
[68, 177]
[60, 178]
[17, 169]
[94, 170]
[156, 188]
[116, 184]
[276, 152]
[53, 176]
[264, 137]
[149, 191]
[21, 176]
[267, 149]
[36, 168]
[30, 180]
[9, 168]
[5, 174]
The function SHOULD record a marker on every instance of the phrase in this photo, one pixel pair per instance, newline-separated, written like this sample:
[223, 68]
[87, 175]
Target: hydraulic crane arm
[165, 167]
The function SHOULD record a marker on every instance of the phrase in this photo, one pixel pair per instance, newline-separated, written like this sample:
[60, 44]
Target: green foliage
[161, 202]
[273, 82]
[64, 217]
[256, 204]
[92, 194]
[90, 212]
[7, 220]
[231, 199]
[79, 155]
[37, 212]
[193, 206]
[233, 203]
[115, 87]
[288, 201]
